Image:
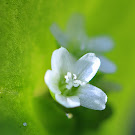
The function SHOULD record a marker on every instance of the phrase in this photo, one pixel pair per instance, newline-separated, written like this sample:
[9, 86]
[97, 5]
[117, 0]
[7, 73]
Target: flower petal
[87, 66]
[62, 61]
[51, 79]
[75, 26]
[92, 97]
[100, 44]
[106, 65]
[60, 36]
[68, 102]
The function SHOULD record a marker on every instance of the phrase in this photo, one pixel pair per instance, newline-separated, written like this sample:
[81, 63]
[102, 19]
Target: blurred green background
[26, 46]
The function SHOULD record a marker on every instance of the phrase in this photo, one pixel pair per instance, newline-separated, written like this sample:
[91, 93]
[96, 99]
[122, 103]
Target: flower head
[78, 43]
[68, 80]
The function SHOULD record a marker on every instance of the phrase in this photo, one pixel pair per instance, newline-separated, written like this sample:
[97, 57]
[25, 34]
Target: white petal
[92, 97]
[106, 65]
[60, 36]
[86, 67]
[51, 79]
[69, 102]
[75, 26]
[62, 61]
[100, 44]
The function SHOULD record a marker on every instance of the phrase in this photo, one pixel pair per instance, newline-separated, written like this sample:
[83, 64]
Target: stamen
[71, 80]
[77, 83]
[74, 76]
[69, 74]
[69, 85]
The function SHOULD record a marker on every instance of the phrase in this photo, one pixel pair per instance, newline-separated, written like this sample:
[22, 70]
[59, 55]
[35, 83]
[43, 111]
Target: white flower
[78, 43]
[68, 80]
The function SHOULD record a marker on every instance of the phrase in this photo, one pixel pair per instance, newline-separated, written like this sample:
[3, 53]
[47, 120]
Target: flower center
[71, 81]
